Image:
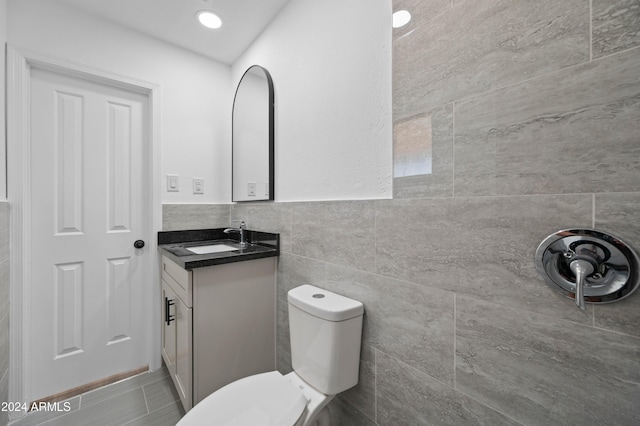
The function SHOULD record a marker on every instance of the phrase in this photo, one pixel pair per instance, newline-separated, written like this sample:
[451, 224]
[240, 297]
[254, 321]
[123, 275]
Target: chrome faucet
[241, 230]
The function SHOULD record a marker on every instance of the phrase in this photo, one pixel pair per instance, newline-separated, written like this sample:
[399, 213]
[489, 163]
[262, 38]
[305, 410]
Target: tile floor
[145, 399]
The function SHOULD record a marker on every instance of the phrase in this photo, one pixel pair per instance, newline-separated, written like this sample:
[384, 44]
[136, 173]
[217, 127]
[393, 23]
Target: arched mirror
[253, 137]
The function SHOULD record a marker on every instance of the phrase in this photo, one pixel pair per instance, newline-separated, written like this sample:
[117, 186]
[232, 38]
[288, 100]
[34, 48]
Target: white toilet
[326, 330]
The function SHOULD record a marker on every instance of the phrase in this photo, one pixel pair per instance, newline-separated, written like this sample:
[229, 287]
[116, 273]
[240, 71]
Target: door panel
[88, 160]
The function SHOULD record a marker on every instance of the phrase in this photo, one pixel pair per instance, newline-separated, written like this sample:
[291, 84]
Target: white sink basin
[215, 248]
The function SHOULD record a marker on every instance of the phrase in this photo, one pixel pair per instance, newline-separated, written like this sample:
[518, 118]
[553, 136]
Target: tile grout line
[375, 236]
[590, 30]
[593, 225]
[489, 91]
[593, 210]
[417, 370]
[375, 385]
[455, 331]
[453, 148]
[146, 403]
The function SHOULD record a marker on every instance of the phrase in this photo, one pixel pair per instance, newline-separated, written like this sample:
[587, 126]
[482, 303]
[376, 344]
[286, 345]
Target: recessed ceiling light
[209, 19]
[401, 18]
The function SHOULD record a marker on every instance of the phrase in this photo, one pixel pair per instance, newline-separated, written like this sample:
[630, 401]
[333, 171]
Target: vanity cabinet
[177, 342]
[218, 324]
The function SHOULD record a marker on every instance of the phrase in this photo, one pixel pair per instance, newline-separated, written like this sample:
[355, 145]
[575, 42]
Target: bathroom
[533, 115]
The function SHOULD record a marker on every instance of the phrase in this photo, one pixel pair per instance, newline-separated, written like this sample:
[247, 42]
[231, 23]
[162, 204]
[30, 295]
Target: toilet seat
[266, 399]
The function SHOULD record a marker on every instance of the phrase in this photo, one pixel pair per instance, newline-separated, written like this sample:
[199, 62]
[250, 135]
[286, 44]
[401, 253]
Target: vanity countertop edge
[172, 245]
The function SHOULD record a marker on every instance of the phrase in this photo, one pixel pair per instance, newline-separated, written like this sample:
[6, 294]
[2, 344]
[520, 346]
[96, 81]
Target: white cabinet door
[184, 353]
[176, 342]
[168, 328]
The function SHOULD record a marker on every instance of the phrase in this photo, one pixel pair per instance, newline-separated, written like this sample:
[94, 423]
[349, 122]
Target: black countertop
[173, 244]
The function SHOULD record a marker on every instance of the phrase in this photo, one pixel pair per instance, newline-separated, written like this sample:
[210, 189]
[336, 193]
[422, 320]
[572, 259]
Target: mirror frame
[271, 109]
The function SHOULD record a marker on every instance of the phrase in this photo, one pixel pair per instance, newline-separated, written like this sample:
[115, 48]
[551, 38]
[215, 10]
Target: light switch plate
[198, 185]
[173, 183]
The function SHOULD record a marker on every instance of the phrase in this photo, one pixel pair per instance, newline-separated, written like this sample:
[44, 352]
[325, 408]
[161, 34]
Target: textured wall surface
[4, 307]
[195, 92]
[4, 231]
[535, 127]
[178, 217]
[333, 107]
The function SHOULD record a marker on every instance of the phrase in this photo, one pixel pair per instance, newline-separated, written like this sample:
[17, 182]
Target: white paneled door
[89, 159]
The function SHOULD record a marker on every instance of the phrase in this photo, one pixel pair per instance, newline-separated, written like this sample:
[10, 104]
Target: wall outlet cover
[198, 185]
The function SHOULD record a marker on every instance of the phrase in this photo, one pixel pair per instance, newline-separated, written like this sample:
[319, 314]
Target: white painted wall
[3, 150]
[196, 92]
[331, 65]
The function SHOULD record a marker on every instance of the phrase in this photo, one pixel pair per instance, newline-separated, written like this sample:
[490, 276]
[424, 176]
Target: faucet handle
[582, 269]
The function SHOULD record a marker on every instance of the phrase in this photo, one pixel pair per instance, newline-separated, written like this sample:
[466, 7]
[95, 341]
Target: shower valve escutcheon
[589, 266]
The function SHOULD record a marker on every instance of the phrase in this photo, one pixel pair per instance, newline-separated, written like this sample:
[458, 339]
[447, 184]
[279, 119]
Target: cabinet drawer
[179, 279]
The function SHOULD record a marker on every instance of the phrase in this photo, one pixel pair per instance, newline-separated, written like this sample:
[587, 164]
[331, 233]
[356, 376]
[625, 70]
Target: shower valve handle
[582, 269]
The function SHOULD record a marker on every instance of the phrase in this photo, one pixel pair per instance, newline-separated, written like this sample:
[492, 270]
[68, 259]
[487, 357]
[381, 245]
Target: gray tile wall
[534, 109]
[4, 307]
[194, 216]
[458, 327]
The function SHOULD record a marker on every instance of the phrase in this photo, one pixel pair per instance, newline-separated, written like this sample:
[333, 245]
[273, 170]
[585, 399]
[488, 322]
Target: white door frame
[19, 65]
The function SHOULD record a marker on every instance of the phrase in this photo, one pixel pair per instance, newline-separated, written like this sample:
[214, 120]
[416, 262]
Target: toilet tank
[326, 330]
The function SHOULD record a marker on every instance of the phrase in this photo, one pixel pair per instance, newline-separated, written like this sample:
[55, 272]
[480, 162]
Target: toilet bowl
[326, 330]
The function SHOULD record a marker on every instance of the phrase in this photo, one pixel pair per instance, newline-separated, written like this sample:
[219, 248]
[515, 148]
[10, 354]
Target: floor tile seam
[108, 398]
[156, 380]
[121, 383]
[25, 419]
[151, 412]
[146, 401]
[174, 402]
[104, 400]
[49, 422]
[5, 374]
[54, 419]
[169, 385]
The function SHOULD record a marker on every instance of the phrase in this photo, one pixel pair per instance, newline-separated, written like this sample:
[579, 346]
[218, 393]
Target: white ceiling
[175, 21]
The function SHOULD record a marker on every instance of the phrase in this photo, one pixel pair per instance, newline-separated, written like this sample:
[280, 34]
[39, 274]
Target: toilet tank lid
[324, 304]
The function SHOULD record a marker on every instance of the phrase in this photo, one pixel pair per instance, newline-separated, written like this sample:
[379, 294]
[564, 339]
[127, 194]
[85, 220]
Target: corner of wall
[3, 42]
